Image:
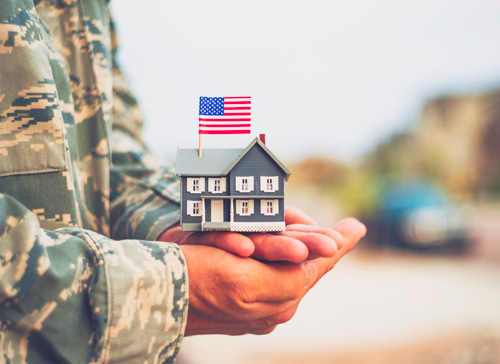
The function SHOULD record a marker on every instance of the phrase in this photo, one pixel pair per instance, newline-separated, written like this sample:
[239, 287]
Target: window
[269, 183]
[245, 184]
[244, 207]
[269, 207]
[193, 208]
[217, 185]
[196, 185]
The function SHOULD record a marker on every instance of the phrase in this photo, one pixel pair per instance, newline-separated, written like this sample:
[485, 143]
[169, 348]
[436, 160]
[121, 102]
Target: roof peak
[218, 161]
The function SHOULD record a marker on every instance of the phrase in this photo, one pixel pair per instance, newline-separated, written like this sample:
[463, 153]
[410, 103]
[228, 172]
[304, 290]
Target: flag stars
[211, 106]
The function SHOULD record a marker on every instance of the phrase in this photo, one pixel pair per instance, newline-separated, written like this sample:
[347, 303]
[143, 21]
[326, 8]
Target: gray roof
[216, 162]
[212, 163]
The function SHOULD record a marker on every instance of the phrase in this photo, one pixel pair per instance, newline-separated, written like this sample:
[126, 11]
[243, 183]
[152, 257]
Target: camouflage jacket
[81, 278]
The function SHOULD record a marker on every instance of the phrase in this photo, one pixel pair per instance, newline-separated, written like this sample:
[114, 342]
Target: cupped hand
[302, 240]
[237, 295]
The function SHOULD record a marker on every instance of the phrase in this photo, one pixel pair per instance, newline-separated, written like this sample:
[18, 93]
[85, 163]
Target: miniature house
[232, 189]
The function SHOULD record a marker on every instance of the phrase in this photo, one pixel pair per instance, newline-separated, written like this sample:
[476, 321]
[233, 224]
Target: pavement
[385, 306]
[374, 301]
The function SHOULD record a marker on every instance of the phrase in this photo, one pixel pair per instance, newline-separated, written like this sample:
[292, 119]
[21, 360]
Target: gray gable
[216, 162]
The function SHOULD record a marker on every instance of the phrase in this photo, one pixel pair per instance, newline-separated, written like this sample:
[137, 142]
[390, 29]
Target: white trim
[274, 183]
[239, 207]
[258, 226]
[190, 185]
[274, 206]
[190, 205]
[239, 184]
[211, 185]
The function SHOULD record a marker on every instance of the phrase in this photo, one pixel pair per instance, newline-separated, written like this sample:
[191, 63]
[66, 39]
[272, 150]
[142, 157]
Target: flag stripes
[225, 115]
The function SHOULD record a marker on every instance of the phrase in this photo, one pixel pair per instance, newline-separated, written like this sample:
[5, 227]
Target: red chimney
[262, 138]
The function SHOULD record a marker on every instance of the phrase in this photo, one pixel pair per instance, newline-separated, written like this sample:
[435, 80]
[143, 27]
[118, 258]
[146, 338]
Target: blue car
[418, 215]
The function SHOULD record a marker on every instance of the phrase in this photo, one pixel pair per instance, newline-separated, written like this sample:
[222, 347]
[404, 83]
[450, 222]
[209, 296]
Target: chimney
[262, 138]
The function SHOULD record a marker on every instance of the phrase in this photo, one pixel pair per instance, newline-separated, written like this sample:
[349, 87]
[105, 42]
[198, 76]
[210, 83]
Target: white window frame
[265, 186]
[239, 184]
[274, 206]
[195, 185]
[240, 206]
[192, 206]
[212, 185]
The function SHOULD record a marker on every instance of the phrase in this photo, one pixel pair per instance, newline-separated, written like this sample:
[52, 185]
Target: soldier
[93, 268]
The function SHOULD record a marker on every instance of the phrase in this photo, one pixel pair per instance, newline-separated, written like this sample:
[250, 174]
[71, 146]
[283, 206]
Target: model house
[232, 189]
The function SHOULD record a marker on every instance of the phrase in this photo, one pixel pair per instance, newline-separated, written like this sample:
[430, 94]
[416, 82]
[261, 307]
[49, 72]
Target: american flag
[225, 115]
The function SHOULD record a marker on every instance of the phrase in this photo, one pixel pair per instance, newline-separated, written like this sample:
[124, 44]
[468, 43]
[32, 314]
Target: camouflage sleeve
[144, 198]
[75, 296]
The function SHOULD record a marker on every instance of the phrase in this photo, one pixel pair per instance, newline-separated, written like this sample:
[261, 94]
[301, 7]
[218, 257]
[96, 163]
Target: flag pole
[199, 147]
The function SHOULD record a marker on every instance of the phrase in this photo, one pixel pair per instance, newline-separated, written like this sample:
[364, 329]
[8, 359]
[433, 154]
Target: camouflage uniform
[73, 289]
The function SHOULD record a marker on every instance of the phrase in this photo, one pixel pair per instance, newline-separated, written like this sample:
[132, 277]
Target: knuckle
[264, 331]
[285, 316]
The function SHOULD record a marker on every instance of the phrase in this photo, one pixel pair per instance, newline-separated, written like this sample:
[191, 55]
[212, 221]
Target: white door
[217, 211]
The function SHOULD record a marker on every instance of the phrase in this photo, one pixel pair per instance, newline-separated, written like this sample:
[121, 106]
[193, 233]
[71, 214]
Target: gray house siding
[246, 167]
[258, 217]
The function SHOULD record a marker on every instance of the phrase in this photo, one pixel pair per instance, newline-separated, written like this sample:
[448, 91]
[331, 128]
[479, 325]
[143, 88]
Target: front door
[217, 211]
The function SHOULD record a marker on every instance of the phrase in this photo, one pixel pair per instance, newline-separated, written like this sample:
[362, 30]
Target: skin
[241, 284]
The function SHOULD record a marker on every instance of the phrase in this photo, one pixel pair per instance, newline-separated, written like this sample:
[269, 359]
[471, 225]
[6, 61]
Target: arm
[144, 198]
[76, 296]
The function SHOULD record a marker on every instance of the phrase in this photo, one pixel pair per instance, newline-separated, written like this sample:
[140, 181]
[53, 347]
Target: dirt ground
[455, 348]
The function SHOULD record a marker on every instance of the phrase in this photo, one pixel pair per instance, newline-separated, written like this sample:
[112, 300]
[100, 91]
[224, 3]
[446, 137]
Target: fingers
[278, 248]
[352, 231]
[232, 242]
[198, 323]
[321, 242]
[294, 215]
[298, 243]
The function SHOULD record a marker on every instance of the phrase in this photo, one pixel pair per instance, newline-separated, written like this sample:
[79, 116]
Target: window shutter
[275, 183]
[276, 207]
[251, 184]
[263, 183]
[189, 186]
[223, 185]
[238, 184]
[190, 208]
[202, 184]
[238, 207]
[250, 207]
[211, 185]
[263, 207]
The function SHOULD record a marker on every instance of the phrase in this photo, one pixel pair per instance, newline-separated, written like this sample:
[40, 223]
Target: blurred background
[388, 111]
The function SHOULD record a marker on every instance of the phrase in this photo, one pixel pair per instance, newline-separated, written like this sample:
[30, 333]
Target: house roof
[216, 162]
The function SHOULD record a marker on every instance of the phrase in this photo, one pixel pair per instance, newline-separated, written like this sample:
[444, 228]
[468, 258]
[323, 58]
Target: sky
[327, 78]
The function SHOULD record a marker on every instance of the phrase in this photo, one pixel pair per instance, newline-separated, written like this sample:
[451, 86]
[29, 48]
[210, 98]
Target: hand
[302, 240]
[237, 295]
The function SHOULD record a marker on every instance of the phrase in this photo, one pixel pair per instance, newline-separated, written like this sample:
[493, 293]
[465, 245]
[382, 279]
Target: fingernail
[311, 273]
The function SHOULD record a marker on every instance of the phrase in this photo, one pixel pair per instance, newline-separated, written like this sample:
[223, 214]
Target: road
[375, 300]
[384, 302]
